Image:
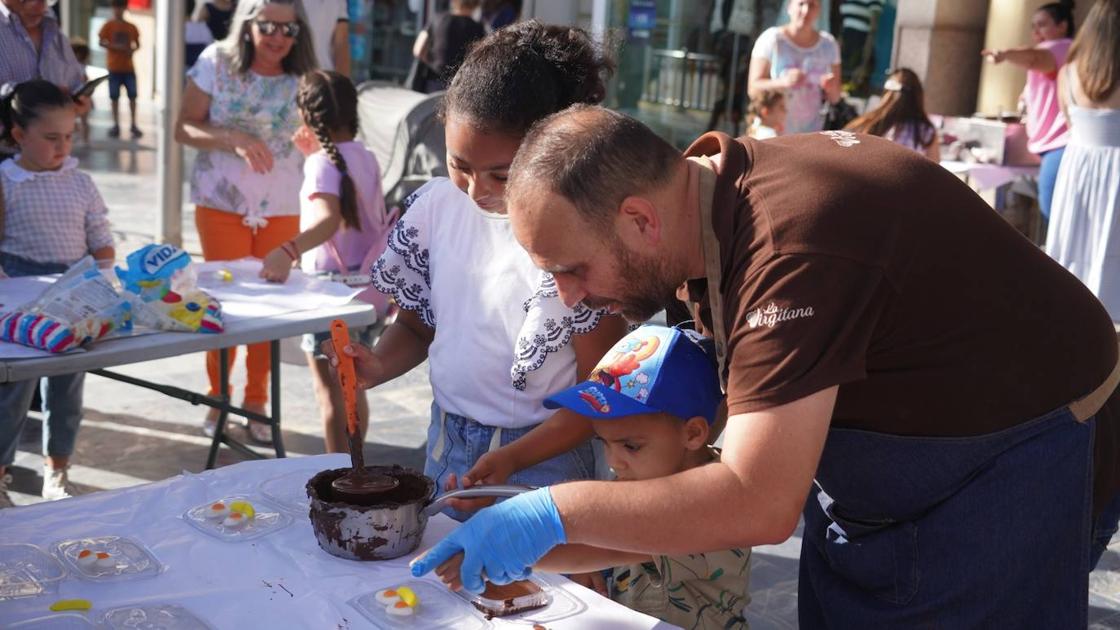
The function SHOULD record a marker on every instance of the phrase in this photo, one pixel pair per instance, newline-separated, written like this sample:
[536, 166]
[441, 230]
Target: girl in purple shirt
[343, 221]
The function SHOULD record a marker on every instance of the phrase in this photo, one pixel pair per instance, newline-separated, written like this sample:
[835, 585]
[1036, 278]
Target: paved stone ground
[131, 436]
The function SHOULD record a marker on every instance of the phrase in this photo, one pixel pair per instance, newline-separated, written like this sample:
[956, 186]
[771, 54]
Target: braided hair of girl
[328, 102]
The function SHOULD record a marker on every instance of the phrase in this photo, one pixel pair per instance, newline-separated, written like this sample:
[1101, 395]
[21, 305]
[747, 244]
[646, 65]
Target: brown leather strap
[712, 268]
[1088, 406]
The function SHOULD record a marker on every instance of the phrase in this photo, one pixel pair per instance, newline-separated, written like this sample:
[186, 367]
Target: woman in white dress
[1085, 224]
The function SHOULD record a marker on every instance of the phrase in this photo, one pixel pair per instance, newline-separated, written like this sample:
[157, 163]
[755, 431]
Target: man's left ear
[696, 433]
[641, 219]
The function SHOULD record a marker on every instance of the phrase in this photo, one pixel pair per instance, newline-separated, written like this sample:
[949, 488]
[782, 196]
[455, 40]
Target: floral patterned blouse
[264, 107]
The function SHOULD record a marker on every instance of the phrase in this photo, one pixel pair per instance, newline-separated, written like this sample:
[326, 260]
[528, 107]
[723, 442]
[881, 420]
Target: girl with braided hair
[343, 223]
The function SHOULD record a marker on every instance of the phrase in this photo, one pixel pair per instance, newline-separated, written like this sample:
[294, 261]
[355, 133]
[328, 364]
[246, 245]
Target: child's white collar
[17, 173]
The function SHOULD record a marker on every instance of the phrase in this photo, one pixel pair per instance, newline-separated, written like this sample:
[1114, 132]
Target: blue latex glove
[503, 540]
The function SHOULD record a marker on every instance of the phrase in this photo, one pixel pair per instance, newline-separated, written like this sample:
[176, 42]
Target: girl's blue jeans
[455, 443]
[62, 395]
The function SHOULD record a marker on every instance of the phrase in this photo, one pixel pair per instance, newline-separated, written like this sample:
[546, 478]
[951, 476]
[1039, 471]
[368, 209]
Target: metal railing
[682, 79]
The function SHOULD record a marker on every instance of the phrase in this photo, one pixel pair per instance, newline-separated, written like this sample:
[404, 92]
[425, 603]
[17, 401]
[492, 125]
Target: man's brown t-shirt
[848, 260]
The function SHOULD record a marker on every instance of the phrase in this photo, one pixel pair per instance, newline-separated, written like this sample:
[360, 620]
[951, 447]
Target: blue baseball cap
[653, 369]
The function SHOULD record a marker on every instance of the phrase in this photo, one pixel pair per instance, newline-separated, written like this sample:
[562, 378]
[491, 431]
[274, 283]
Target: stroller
[401, 128]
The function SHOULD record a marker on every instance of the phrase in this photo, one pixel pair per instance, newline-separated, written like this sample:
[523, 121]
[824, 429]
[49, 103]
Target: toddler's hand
[368, 368]
[448, 572]
[593, 581]
[277, 266]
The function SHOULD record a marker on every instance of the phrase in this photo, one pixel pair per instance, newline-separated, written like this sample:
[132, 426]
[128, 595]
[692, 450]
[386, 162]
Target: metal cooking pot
[393, 523]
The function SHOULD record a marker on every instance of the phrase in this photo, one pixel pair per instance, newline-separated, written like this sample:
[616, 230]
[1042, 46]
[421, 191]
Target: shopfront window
[381, 36]
[683, 63]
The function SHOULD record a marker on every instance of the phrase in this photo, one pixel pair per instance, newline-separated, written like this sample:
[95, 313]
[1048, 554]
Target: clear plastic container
[550, 603]
[153, 617]
[128, 558]
[289, 491]
[27, 571]
[64, 621]
[266, 520]
[436, 607]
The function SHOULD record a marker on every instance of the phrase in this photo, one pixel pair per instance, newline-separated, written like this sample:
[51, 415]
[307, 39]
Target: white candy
[106, 561]
[88, 560]
[217, 511]
[399, 611]
[235, 520]
[387, 597]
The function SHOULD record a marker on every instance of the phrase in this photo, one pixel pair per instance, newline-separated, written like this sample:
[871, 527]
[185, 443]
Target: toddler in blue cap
[652, 401]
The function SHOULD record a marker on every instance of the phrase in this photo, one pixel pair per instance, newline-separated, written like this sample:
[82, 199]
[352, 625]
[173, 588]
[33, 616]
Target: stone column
[941, 40]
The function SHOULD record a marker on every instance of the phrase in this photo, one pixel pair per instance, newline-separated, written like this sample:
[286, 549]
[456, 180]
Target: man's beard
[649, 285]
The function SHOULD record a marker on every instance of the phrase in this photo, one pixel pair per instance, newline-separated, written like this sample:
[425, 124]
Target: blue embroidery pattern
[553, 336]
[388, 276]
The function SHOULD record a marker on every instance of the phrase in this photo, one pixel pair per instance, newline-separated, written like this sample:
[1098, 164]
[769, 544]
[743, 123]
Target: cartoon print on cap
[595, 399]
[623, 360]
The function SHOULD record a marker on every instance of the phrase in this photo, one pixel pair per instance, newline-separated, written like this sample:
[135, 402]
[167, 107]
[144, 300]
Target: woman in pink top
[1047, 133]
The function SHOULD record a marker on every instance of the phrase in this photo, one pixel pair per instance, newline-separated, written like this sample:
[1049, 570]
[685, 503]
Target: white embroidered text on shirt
[843, 138]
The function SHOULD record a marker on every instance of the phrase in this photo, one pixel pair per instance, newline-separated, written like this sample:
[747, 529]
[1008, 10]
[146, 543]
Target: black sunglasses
[268, 27]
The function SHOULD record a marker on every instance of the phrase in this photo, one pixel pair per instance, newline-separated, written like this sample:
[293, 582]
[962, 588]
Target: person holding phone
[33, 47]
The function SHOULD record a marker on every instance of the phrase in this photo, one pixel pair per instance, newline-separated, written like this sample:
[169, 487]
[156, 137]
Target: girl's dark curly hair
[524, 72]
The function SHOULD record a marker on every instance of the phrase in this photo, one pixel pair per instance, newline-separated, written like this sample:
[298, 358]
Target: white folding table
[281, 580]
[290, 319]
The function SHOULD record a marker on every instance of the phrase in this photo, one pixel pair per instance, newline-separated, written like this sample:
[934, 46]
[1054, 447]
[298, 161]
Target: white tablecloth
[988, 176]
[237, 585]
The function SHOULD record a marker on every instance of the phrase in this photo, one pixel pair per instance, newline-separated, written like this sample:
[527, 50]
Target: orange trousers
[225, 237]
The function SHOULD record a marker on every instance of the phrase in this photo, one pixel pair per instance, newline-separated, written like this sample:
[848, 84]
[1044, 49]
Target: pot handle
[475, 492]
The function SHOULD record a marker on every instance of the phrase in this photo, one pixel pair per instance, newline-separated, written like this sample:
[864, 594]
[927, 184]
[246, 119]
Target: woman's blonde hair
[238, 45]
[1096, 50]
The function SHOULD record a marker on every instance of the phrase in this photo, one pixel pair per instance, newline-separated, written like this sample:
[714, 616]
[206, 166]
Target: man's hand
[82, 105]
[493, 468]
[527, 525]
[368, 367]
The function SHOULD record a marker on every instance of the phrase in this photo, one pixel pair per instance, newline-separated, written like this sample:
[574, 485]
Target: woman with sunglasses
[239, 111]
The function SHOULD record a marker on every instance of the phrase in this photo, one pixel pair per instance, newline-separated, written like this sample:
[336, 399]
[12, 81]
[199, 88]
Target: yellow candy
[71, 604]
[244, 507]
[408, 596]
